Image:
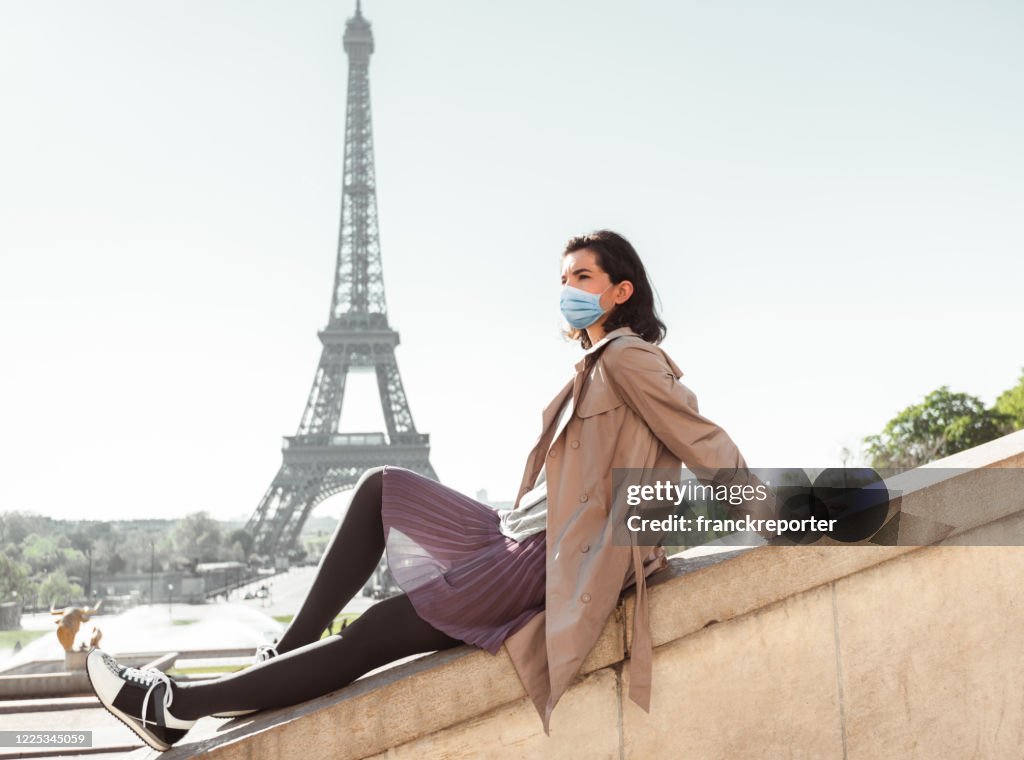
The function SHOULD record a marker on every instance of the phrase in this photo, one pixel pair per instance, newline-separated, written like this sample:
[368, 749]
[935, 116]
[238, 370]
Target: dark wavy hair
[616, 256]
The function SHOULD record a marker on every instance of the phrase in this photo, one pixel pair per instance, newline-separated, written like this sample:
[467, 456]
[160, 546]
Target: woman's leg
[349, 560]
[386, 632]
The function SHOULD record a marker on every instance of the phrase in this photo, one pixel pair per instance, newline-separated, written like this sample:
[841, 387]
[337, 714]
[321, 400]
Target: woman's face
[581, 270]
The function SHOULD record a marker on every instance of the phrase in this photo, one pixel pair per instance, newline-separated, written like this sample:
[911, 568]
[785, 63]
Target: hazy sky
[828, 197]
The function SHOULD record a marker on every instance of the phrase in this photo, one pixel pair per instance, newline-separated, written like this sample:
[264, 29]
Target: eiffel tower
[318, 462]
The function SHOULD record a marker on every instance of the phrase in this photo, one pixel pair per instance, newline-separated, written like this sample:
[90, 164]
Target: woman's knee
[367, 496]
[373, 475]
[371, 482]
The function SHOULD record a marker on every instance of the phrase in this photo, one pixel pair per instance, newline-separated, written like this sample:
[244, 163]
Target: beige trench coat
[633, 413]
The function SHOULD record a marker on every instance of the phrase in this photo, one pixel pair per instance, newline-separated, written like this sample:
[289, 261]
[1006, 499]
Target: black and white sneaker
[264, 652]
[139, 697]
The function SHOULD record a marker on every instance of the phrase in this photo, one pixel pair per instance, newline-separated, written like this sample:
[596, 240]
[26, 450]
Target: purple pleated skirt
[462, 575]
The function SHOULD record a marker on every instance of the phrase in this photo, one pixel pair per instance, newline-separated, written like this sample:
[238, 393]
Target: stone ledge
[453, 689]
[388, 706]
[756, 578]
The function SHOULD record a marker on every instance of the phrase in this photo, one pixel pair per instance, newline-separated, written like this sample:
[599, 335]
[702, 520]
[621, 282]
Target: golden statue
[70, 619]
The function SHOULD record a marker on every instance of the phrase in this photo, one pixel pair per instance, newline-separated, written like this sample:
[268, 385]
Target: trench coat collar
[616, 333]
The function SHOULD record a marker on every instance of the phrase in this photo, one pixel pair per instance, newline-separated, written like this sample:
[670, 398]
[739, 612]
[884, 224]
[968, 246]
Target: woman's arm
[642, 377]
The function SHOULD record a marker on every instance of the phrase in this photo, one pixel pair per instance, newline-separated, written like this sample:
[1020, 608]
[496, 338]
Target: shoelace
[154, 677]
[263, 652]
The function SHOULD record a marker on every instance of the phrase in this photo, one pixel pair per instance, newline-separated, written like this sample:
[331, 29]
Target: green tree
[197, 537]
[1011, 404]
[13, 579]
[143, 546]
[243, 537]
[236, 553]
[943, 424]
[84, 540]
[116, 564]
[107, 550]
[57, 591]
[42, 553]
[15, 527]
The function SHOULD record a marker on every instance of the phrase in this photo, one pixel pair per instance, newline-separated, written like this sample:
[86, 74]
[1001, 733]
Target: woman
[540, 579]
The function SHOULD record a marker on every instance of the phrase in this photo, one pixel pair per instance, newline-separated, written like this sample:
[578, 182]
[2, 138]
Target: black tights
[308, 666]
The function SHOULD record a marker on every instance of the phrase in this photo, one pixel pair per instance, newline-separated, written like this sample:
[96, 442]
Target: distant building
[221, 575]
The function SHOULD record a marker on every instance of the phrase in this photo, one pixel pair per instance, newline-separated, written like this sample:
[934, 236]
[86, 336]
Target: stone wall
[814, 652]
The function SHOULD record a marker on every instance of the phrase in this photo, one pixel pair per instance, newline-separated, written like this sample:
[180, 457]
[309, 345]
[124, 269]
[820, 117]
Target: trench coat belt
[640, 653]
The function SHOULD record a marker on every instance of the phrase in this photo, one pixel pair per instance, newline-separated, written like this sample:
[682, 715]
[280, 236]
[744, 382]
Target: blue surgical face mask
[580, 307]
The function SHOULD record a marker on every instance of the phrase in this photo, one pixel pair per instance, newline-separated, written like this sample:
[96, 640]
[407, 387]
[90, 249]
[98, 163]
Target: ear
[623, 291]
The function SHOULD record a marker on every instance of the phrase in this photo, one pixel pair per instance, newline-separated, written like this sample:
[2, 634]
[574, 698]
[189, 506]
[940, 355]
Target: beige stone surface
[1007, 532]
[931, 655]
[610, 646]
[384, 709]
[367, 717]
[585, 725]
[764, 685]
[751, 581]
[991, 493]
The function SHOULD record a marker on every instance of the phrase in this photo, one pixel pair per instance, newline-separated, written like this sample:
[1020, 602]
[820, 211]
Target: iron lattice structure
[318, 462]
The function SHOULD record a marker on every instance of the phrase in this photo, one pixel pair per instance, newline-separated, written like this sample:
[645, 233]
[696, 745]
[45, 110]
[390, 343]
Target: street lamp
[88, 582]
[170, 588]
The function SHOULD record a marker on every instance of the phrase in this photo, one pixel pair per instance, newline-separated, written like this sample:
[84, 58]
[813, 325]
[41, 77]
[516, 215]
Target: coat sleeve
[645, 381]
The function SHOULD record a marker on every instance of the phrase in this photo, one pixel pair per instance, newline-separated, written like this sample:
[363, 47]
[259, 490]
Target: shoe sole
[126, 719]
[233, 713]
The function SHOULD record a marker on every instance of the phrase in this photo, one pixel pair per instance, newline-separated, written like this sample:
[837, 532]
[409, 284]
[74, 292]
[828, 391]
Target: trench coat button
[585, 548]
[575, 444]
[584, 497]
[585, 598]
[551, 453]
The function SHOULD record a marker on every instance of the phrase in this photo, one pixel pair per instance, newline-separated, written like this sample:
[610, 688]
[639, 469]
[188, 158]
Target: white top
[532, 515]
